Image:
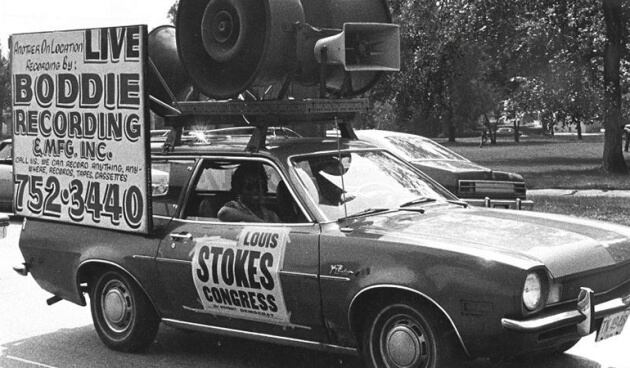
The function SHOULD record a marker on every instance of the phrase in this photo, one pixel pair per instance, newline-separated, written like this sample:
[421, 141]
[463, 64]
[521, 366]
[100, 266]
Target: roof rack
[262, 114]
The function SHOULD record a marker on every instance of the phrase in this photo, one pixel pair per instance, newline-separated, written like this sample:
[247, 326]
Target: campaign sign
[241, 278]
[80, 127]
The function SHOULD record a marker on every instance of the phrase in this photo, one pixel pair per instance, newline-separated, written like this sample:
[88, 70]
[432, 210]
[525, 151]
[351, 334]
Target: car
[475, 184]
[6, 176]
[370, 256]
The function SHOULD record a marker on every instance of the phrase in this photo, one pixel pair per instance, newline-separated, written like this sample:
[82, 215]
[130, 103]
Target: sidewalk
[579, 193]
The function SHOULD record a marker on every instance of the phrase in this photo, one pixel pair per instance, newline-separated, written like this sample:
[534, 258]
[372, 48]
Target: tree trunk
[451, 132]
[517, 133]
[613, 161]
[578, 127]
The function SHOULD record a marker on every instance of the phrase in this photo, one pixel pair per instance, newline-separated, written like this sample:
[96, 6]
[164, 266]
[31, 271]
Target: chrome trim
[490, 181]
[121, 268]
[423, 295]
[565, 318]
[261, 337]
[172, 260]
[512, 203]
[299, 274]
[148, 258]
[334, 278]
[274, 224]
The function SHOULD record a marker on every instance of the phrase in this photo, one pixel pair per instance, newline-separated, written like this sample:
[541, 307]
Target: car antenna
[343, 184]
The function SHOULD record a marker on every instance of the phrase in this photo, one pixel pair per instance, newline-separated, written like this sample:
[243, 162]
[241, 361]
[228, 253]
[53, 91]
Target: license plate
[612, 325]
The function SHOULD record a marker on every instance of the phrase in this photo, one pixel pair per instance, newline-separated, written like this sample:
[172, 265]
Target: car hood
[454, 166]
[565, 245]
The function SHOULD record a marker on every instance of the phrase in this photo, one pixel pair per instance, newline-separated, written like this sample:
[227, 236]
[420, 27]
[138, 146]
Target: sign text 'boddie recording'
[79, 125]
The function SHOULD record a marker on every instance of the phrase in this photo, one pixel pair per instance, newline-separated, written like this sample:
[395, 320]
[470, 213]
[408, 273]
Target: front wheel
[123, 316]
[406, 335]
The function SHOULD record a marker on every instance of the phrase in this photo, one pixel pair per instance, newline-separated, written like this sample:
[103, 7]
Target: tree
[172, 12]
[5, 86]
[615, 29]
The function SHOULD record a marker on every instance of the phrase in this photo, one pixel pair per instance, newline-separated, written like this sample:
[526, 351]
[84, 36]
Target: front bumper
[517, 204]
[567, 318]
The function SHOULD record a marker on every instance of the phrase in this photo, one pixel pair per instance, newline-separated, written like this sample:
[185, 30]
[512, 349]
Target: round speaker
[162, 49]
[228, 46]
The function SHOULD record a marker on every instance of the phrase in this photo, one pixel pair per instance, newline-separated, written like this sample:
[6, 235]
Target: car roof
[280, 148]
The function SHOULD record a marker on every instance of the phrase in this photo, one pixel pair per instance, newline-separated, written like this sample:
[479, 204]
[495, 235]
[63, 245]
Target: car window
[5, 152]
[168, 180]
[350, 182]
[213, 189]
[416, 148]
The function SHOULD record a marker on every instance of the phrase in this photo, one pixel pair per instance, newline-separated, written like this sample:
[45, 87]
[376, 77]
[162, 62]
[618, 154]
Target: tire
[123, 316]
[406, 334]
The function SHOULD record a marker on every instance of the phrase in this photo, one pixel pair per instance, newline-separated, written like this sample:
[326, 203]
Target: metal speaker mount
[228, 46]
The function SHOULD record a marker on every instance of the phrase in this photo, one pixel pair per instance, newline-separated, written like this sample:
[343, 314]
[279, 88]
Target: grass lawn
[546, 162]
[597, 208]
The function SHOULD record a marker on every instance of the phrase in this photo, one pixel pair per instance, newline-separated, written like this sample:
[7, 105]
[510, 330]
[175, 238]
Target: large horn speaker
[168, 79]
[333, 14]
[228, 46]
[362, 47]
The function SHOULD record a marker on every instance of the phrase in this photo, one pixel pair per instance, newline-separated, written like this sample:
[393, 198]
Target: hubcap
[117, 306]
[403, 346]
[403, 343]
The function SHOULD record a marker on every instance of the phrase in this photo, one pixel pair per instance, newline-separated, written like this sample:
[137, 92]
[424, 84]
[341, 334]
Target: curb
[579, 193]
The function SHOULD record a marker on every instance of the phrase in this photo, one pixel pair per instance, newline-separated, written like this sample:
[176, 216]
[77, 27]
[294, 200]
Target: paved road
[33, 335]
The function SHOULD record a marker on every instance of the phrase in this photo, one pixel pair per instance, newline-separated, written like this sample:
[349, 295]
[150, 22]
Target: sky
[22, 16]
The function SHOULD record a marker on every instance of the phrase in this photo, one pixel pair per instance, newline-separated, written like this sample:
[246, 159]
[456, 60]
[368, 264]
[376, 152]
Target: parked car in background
[471, 182]
[6, 176]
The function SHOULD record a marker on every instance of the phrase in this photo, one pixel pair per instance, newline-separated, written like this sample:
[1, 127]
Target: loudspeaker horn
[363, 47]
[168, 79]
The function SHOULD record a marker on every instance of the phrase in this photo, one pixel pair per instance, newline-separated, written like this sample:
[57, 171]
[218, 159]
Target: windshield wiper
[417, 201]
[365, 212]
[460, 203]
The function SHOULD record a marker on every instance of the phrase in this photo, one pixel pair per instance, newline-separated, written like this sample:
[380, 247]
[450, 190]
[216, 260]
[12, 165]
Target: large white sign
[80, 127]
[241, 278]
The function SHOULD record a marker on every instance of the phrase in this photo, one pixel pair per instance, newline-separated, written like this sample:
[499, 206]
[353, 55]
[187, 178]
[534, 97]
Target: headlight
[532, 292]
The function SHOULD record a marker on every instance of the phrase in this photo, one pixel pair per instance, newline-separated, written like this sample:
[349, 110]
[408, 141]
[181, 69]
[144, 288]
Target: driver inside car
[249, 183]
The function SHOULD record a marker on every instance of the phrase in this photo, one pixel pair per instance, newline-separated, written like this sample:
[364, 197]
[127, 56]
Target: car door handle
[181, 236]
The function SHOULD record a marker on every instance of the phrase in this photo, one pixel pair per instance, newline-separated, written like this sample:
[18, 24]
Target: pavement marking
[30, 362]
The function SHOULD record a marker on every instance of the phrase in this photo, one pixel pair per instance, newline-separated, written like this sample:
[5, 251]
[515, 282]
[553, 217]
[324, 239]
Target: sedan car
[476, 184]
[370, 256]
[6, 176]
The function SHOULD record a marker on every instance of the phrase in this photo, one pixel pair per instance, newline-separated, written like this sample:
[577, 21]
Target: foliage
[464, 58]
[5, 85]
[172, 12]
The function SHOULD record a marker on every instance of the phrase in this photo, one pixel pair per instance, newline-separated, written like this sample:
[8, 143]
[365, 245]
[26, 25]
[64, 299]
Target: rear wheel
[123, 316]
[408, 335]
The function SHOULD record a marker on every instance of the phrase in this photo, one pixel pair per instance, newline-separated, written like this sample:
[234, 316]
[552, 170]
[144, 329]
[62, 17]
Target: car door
[258, 277]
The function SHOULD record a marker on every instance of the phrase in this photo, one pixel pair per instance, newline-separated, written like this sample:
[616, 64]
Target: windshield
[372, 180]
[417, 148]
